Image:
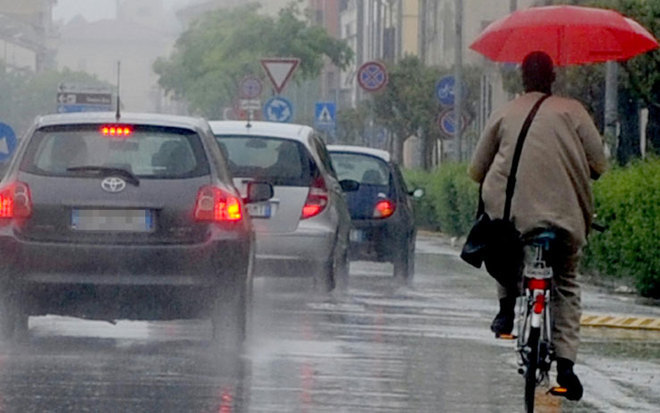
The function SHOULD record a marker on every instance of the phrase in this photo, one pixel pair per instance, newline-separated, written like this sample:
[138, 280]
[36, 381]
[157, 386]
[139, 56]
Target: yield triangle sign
[279, 70]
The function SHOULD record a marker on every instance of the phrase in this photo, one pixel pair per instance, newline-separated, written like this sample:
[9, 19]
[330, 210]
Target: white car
[304, 229]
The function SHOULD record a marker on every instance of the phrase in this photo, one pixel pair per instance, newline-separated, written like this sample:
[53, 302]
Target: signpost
[7, 142]
[372, 76]
[447, 123]
[74, 97]
[280, 70]
[325, 114]
[250, 87]
[278, 109]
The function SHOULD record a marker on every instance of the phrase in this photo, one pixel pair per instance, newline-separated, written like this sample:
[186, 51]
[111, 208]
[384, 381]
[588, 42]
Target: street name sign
[74, 97]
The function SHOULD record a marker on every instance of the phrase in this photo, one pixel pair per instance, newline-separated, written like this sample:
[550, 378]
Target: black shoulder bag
[497, 242]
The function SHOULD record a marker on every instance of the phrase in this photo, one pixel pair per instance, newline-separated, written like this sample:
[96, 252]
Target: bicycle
[534, 340]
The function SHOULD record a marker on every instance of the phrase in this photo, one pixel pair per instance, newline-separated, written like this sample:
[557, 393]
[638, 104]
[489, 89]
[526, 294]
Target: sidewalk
[603, 307]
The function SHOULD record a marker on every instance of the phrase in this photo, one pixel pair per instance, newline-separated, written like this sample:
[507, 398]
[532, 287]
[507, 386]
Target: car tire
[333, 274]
[229, 317]
[404, 263]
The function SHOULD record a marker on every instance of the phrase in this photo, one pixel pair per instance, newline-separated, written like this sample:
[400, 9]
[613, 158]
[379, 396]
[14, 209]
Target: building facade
[26, 34]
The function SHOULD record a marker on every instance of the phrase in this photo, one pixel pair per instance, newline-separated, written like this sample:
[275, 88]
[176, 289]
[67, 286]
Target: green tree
[27, 95]
[223, 46]
[640, 79]
[408, 106]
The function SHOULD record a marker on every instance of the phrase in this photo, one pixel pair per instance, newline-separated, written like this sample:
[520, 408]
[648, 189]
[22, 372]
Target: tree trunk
[653, 130]
[628, 147]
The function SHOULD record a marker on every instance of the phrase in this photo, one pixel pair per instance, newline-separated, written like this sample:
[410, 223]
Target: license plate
[260, 210]
[126, 220]
[356, 235]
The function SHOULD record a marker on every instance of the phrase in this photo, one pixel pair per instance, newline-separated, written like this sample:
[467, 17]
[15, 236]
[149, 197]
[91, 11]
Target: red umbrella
[569, 34]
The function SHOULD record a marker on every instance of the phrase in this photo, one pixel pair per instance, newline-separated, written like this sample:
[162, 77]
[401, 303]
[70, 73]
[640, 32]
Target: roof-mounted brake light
[120, 131]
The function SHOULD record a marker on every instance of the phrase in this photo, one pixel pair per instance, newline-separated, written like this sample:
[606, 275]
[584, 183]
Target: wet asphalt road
[378, 348]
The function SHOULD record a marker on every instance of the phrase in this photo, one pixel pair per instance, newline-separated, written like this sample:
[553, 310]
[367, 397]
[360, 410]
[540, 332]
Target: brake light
[317, 199]
[117, 131]
[15, 201]
[214, 204]
[384, 208]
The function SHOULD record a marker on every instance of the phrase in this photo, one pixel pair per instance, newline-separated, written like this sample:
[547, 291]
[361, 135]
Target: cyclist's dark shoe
[569, 383]
[502, 324]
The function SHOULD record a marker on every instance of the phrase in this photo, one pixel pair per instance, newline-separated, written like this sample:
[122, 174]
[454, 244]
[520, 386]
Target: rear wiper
[105, 171]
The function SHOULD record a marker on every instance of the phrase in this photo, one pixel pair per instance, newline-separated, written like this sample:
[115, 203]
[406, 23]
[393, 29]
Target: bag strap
[511, 181]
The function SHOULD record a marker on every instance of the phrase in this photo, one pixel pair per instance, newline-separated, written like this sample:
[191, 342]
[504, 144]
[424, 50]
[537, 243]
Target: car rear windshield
[147, 151]
[278, 161]
[365, 169]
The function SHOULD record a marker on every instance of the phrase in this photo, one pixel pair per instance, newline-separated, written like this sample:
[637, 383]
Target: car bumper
[121, 281]
[294, 253]
[376, 240]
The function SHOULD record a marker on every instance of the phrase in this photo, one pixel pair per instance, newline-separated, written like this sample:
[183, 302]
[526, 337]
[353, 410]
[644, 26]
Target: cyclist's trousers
[566, 306]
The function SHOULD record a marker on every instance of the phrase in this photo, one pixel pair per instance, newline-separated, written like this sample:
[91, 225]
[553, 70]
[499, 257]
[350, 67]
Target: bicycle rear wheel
[532, 366]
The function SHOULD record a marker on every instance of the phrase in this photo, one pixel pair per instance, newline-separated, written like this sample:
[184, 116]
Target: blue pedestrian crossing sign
[325, 114]
[278, 109]
[7, 141]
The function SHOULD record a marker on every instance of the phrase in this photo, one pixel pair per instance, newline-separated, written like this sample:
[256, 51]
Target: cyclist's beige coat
[562, 149]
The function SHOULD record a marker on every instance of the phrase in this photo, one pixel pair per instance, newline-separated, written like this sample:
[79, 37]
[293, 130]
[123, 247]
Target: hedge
[627, 201]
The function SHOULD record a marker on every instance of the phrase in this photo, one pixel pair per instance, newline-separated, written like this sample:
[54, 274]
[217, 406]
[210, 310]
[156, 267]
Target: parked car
[304, 228]
[135, 218]
[383, 225]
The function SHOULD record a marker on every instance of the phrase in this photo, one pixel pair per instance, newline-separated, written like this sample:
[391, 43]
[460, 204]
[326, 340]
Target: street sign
[372, 76]
[74, 97]
[250, 87]
[325, 114]
[278, 109]
[250, 104]
[280, 70]
[7, 141]
[447, 123]
[445, 90]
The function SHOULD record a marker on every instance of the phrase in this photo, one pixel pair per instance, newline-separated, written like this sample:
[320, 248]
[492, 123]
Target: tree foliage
[223, 46]
[26, 95]
[408, 106]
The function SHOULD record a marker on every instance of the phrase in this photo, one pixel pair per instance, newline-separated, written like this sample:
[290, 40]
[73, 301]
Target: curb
[627, 322]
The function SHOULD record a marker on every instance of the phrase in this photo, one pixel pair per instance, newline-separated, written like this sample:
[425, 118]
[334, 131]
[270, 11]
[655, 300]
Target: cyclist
[562, 152]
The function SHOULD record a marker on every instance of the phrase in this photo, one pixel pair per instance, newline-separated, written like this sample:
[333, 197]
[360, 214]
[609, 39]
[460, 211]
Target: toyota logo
[113, 184]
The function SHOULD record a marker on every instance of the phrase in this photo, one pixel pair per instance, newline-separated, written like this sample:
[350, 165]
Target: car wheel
[404, 263]
[13, 320]
[229, 318]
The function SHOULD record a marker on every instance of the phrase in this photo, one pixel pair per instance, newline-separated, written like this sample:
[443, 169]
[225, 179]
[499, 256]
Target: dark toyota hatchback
[383, 225]
[134, 218]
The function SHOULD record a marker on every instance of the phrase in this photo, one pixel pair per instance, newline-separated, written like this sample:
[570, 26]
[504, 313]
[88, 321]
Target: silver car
[304, 228]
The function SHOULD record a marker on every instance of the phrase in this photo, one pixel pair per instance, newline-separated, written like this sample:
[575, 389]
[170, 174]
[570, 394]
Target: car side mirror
[417, 193]
[258, 192]
[349, 185]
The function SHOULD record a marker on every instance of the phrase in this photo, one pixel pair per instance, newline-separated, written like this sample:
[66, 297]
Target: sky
[93, 10]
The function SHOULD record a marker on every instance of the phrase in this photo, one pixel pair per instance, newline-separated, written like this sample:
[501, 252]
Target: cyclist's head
[537, 72]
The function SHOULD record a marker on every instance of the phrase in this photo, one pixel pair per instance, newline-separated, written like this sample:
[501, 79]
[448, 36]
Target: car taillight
[15, 201]
[214, 204]
[317, 199]
[384, 208]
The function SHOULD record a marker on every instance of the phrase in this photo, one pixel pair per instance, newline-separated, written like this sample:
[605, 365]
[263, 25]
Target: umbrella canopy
[569, 34]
